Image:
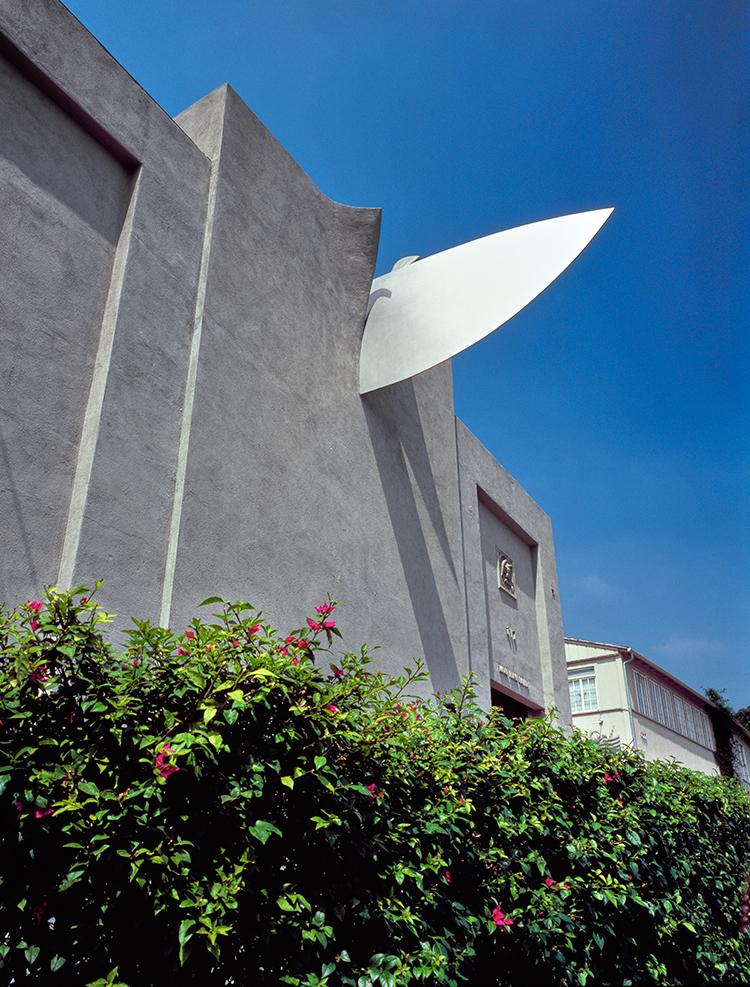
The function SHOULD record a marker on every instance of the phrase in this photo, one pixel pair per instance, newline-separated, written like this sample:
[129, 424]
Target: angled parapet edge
[426, 312]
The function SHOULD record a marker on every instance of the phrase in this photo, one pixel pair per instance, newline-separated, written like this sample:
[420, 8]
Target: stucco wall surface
[182, 314]
[496, 513]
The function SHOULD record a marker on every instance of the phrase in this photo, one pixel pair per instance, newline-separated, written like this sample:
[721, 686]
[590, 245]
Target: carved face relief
[506, 574]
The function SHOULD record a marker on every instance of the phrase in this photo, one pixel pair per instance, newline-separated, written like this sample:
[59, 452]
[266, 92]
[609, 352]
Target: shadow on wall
[30, 576]
[396, 434]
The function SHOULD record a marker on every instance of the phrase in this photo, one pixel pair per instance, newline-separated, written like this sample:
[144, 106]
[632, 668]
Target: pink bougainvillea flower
[314, 625]
[333, 709]
[329, 624]
[295, 661]
[325, 609]
[447, 876]
[19, 808]
[236, 644]
[371, 789]
[498, 917]
[190, 634]
[338, 672]
[34, 623]
[39, 674]
[84, 599]
[40, 813]
[181, 651]
[34, 605]
[549, 882]
[302, 643]
[164, 769]
[38, 911]
[254, 629]
[291, 641]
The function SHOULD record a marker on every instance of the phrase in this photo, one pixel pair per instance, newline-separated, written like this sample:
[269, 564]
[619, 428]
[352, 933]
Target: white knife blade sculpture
[429, 310]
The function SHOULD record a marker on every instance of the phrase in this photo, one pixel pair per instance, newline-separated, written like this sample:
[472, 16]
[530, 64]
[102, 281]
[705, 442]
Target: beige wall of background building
[620, 695]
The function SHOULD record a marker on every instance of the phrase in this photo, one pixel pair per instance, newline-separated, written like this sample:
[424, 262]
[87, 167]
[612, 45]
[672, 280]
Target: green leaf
[75, 874]
[88, 787]
[56, 962]
[31, 954]
[209, 713]
[211, 599]
[262, 830]
[196, 677]
[186, 930]
[22, 667]
[288, 781]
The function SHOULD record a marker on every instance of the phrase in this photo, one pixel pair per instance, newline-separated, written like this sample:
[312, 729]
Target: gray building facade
[181, 312]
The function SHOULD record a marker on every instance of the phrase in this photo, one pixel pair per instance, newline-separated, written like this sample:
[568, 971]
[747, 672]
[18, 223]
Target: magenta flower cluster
[164, 769]
[500, 919]
[320, 624]
[35, 606]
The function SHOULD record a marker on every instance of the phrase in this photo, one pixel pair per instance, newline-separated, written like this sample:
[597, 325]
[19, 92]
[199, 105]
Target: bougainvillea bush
[225, 805]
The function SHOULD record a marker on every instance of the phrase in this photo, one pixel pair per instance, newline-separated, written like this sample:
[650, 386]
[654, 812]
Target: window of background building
[582, 684]
[741, 763]
[666, 708]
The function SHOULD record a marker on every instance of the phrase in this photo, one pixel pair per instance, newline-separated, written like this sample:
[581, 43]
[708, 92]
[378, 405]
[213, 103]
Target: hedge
[227, 806]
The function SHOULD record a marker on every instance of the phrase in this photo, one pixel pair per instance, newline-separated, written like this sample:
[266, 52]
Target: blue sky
[618, 398]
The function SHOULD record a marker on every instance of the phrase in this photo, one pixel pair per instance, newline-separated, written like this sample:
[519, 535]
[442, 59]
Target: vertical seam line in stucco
[93, 414]
[187, 410]
[543, 629]
[463, 545]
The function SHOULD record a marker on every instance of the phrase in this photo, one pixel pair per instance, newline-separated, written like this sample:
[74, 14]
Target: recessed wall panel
[63, 198]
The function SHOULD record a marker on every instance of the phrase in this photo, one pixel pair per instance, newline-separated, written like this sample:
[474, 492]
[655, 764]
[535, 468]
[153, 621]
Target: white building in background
[628, 701]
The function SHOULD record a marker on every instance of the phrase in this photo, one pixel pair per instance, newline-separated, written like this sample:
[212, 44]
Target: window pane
[576, 698]
[690, 722]
[641, 691]
[582, 694]
[589, 694]
[666, 703]
[679, 709]
[655, 701]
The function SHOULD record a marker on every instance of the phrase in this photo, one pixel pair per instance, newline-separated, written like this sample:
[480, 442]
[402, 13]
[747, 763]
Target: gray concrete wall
[64, 202]
[497, 514]
[182, 317]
